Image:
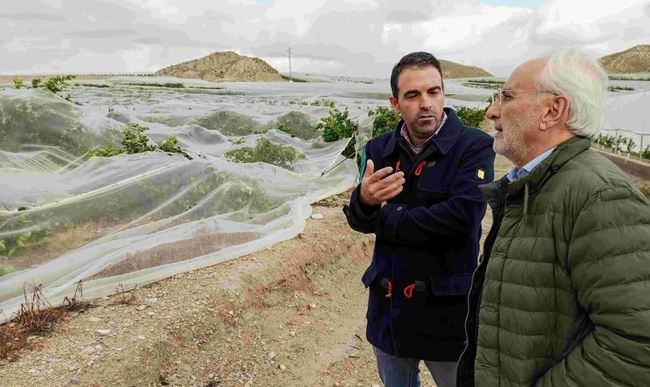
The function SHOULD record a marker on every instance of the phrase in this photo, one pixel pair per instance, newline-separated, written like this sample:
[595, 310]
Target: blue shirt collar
[515, 174]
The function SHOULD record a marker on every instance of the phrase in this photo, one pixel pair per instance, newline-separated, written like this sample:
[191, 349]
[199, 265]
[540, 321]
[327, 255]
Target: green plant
[170, 146]
[267, 152]
[470, 116]
[385, 120]
[18, 83]
[324, 102]
[58, 83]
[135, 141]
[296, 124]
[337, 125]
[237, 141]
[36, 82]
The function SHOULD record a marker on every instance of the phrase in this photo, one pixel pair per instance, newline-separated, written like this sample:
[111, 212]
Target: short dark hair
[415, 59]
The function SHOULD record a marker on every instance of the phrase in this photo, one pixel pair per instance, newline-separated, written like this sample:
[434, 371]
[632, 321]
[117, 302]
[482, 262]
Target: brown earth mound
[224, 66]
[451, 70]
[632, 60]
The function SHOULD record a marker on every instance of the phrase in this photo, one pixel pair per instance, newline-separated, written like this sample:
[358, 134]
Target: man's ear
[557, 112]
[395, 104]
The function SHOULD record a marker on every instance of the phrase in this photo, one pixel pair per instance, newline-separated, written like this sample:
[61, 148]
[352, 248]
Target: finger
[370, 168]
[391, 194]
[380, 174]
[382, 192]
[392, 178]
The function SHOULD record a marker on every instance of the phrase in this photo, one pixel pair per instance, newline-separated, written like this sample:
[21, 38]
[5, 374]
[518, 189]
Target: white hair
[571, 73]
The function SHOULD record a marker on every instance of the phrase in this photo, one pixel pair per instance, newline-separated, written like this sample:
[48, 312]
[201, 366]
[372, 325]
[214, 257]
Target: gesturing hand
[378, 187]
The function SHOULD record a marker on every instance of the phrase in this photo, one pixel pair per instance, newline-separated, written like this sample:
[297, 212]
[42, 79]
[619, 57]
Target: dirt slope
[632, 60]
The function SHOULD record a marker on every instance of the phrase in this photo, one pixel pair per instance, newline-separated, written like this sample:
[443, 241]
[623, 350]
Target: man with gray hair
[561, 296]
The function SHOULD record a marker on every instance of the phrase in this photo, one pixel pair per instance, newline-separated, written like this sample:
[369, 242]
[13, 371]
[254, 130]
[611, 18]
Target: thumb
[370, 168]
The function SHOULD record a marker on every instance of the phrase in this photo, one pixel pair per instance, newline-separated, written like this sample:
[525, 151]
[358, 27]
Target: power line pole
[289, 51]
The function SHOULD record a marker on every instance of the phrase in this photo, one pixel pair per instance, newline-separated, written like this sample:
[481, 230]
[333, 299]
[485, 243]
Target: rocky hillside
[632, 60]
[456, 70]
[224, 66]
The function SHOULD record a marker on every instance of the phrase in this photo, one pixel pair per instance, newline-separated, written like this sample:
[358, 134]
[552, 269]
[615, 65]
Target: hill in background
[632, 60]
[452, 70]
[224, 66]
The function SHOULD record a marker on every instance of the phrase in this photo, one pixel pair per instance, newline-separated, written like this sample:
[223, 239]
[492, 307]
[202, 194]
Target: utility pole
[289, 51]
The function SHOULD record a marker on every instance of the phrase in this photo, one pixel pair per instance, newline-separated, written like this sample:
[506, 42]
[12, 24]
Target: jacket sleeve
[457, 215]
[609, 262]
[361, 217]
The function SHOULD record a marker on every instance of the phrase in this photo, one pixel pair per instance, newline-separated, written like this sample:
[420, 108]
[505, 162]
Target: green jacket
[562, 294]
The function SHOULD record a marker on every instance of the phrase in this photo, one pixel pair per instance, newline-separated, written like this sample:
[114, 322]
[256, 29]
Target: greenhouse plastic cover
[124, 221]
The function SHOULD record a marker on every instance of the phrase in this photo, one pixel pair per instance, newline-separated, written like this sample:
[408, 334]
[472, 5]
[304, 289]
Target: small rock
[151, 301]
[317, 216]
[94, 319]
[337, 384]
[151, 314]
[74, 381]
[282, 367]
[98, 347]
[270, 356]
[292, 333]
[86, 352]
[140, 337]
[141, 307]
[312, 306]
[103, 332]
[211, 376]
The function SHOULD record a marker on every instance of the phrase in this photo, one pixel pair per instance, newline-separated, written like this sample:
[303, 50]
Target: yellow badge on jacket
[480, 173]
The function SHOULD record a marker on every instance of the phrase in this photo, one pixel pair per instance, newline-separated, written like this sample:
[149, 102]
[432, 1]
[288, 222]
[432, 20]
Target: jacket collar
[444, 140]
[550, 166]
[563, 153]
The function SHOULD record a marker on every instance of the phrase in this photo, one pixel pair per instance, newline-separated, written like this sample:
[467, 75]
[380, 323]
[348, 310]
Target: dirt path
[290, 315]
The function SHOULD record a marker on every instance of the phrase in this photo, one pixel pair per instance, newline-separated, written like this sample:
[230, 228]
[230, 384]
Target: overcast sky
[343, 37]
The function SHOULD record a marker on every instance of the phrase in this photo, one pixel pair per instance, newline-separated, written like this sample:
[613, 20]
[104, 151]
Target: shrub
[324, 102]
[18, 83]
[470, 116]
[337, 126]
[36, 82]
[296, 124]
[135, 141]
[57, 84]
[266, 152]
[230, 123]
[385, 120]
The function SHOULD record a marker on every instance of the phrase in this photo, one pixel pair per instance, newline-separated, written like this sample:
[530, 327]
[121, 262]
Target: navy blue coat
[427, 240]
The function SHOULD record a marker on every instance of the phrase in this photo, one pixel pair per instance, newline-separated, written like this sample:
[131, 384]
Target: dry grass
[125, 297]
[36, 317]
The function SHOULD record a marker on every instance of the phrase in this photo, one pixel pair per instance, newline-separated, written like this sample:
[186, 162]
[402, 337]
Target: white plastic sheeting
[124, 221]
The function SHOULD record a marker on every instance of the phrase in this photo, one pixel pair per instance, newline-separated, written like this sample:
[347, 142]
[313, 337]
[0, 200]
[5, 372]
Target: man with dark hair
[419, 195]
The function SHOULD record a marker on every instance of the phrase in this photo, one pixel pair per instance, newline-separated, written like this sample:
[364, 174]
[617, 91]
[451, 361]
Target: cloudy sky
[344, 37]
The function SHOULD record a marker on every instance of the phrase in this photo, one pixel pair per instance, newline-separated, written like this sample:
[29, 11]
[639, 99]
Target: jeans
[405, 372]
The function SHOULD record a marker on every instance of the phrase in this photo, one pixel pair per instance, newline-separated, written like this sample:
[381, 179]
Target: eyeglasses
[504, 94]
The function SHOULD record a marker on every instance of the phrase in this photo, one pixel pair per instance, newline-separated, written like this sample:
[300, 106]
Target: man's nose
[426, 103]
[493, 111]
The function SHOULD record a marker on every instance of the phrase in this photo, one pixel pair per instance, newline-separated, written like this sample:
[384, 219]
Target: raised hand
[378, 187]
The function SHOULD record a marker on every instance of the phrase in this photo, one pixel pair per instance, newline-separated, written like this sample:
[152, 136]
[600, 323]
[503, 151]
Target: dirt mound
[632, 60]
[224, 66]
[451, 70]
